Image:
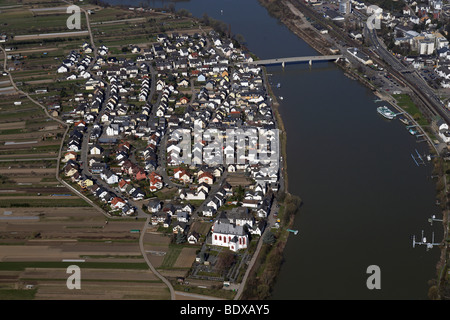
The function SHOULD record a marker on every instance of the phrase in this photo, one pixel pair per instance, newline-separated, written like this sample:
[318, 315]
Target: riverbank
[282, 132]
[268, 263]
[263, 275]
[295, 21]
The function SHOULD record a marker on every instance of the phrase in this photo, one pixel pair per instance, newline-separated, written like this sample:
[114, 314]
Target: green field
[22, 21]
[11, 203]
[404, 101]
[171, 257]
[17, 294]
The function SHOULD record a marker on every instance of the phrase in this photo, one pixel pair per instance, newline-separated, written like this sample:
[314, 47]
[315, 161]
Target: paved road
[270, 223]
[152, 268]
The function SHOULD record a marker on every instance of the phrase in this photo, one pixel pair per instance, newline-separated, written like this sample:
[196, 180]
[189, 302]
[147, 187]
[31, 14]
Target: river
[364, 197]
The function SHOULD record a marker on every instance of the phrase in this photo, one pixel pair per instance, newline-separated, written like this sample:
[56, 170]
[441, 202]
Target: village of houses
[120, 151]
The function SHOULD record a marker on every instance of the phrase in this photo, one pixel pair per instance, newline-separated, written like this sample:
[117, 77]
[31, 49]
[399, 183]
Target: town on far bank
[399, 49]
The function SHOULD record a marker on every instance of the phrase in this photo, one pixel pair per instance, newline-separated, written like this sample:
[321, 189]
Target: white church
[229, 235]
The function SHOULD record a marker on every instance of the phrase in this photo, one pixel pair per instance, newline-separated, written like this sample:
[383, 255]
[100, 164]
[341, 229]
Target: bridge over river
[309, 59]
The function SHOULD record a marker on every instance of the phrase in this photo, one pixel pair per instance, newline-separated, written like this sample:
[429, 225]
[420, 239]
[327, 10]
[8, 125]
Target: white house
[74, 146]
[208, 212]
[201, 78]
[154, 205]
[199, 195]
[95, 150]
[182, 175]
[193, 238]
[206, 177]
[118, 203]
[62, 69]
[183, 217]
[109, 177]
[112, 130]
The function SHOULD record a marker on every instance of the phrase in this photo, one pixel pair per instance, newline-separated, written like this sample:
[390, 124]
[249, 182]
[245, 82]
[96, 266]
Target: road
[152, 268]
[270, 224]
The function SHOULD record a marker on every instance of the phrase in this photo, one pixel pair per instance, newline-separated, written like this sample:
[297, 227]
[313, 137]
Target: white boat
[386, 112]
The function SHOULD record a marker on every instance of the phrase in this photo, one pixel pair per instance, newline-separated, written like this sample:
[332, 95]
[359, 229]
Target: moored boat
[404, 120]
[412, 131]
[386, 112]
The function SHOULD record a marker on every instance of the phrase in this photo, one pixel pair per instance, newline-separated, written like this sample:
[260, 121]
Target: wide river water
[364, 197]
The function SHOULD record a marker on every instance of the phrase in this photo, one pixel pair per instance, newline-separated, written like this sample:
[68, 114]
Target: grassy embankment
[266, 269]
